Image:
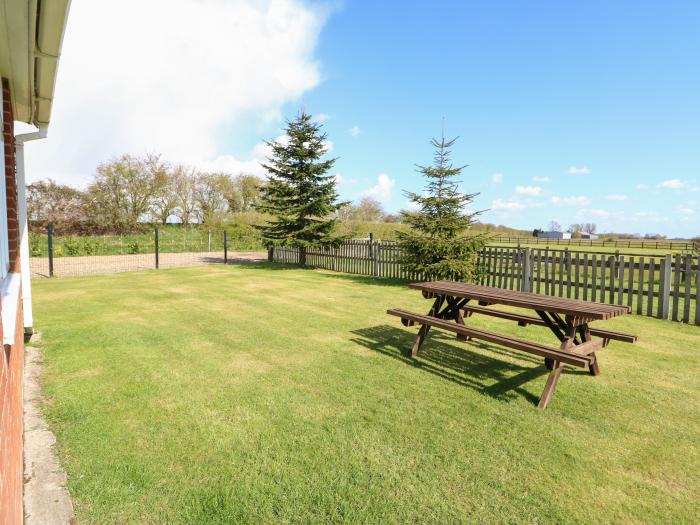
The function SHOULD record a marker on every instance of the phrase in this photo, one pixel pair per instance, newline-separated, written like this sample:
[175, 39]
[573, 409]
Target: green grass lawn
[264, 394]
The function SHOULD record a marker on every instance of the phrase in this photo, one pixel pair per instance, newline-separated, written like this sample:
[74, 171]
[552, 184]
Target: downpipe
[24, 226]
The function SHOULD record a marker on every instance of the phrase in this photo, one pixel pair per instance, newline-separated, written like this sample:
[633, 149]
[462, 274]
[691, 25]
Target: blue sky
[567, 111]
[532, 89]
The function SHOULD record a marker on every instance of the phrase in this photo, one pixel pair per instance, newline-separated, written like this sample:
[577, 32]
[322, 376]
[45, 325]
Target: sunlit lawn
[262, 394]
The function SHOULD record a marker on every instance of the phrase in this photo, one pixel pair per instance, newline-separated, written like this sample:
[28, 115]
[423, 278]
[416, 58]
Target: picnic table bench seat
[524, 320]
[567, 319]
[581, 360]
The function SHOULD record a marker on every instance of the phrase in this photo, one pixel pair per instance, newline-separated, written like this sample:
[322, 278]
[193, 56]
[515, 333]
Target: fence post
[225, 247]
[155, 236]
[697, 291]
[50, 238]
[527, 271]
[664, 287]
[376, 259]
[270, 253]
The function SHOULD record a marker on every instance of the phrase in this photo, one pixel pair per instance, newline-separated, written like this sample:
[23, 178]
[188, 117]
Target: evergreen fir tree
[300, 195]
[439, 243]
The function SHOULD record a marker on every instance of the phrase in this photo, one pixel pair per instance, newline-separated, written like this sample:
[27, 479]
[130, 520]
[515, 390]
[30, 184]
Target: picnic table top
[533, 301]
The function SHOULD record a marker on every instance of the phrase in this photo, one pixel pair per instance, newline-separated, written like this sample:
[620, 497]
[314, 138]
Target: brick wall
[12, 357]
[8, 136]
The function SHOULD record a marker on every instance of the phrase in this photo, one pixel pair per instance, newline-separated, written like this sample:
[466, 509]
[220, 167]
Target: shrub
[72, 246]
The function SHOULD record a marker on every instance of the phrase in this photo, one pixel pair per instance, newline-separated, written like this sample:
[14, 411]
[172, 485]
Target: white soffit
[31, 34]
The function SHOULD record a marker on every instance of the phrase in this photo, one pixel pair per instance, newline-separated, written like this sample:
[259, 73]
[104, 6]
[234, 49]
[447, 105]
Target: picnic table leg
[551, 385]
[585, 333]
[557, 367]
[460, 320]
[556, 330]
[424, 328]
[422, 333]
[453, 310]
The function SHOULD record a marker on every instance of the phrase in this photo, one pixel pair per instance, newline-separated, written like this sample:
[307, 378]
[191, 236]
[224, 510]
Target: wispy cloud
[344, 180]
[497, 178]
[671, 184]
[382, 190]
[528, 190]
[355, 131]
[321, 117]
[616, 197]
[501, 204]
[541, 179]
[571, 201]
[642, 186]
[596, 213]
[574, 170]
[686, 211]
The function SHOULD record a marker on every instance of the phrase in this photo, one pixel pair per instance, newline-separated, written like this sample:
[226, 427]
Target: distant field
[595, 248]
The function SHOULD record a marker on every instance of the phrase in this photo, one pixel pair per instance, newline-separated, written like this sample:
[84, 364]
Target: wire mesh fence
[53, 255]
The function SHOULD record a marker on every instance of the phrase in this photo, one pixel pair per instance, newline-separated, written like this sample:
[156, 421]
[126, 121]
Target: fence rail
[662, 286]
[682, 245]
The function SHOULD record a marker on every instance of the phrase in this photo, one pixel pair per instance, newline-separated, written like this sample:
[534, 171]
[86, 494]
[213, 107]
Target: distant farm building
[589, 236]
[554, 235]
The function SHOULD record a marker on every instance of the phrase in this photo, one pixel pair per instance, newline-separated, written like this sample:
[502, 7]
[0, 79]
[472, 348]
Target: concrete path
[46, 499]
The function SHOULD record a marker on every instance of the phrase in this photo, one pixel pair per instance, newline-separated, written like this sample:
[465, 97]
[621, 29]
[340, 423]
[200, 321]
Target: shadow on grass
[459, 365]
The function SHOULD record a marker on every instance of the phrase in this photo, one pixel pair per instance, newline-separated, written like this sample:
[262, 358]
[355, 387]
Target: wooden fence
[662, 286]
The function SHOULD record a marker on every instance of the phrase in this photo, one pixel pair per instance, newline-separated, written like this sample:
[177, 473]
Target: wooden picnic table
[567, 319]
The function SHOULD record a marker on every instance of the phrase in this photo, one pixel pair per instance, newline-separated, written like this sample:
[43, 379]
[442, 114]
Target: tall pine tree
[300, 195]
[439, 243]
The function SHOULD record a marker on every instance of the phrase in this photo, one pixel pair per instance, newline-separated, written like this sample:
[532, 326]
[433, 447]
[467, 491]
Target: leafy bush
[34, 246]
[72, 246]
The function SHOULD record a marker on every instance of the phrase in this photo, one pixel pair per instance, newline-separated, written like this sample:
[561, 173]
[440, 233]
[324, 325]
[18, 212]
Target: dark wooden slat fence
[662, 286]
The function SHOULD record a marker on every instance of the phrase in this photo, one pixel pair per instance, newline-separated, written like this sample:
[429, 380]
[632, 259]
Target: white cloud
[528, 190]
[500, 204]
[573, 170]
[355, 131]
[686, 211]
[671, 184]
[343, 180]
[135, 84]
[497, 178]
[642, 186]
[382, 190]
[617, 197]
[541, 179]
[571, 201]
[597, 213]
[320, 118]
